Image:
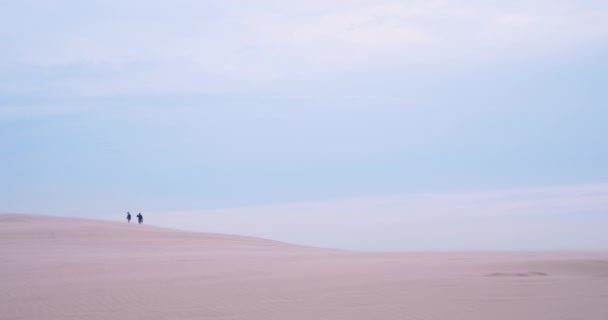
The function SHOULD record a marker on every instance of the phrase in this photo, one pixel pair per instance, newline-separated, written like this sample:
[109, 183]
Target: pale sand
[62, 268]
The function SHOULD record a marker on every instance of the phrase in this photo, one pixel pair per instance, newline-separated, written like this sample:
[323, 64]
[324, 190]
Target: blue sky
[192, 112]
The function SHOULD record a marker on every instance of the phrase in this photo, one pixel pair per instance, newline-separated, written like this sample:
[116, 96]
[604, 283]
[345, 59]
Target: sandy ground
[63, 268]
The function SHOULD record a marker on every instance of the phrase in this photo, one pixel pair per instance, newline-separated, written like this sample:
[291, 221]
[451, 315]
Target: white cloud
[19, 112]
[192, 47]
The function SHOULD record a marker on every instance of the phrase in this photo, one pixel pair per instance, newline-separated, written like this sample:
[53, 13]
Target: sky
[380, 125]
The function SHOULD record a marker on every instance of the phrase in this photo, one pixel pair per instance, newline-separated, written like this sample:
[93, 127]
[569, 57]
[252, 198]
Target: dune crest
[80, 231]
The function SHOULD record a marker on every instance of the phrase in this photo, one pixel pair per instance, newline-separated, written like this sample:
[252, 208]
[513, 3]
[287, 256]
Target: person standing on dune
[128, 217]
[140, 218]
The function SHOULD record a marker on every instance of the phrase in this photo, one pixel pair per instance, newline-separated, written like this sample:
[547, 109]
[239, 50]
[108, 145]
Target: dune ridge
[71, 268]
[27, 227]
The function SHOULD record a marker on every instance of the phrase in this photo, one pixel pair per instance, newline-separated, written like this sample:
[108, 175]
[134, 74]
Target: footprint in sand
[517, 274]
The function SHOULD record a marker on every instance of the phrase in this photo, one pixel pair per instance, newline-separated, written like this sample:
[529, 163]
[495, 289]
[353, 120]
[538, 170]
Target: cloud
[187, 46]
[10, 113]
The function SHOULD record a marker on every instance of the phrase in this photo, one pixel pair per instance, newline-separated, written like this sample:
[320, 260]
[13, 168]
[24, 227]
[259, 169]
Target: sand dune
[65, 268]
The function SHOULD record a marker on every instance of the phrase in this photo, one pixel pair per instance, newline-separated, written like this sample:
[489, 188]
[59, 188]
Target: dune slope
[65, 268]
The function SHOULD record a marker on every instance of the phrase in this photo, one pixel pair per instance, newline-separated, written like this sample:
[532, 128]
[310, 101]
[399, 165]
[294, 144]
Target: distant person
[140, 218]
[128, 217]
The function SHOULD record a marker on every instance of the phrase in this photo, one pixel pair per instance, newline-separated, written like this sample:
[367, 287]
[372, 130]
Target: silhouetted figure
[128, 217]
[140, 218]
